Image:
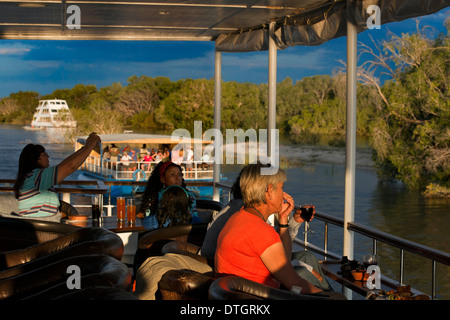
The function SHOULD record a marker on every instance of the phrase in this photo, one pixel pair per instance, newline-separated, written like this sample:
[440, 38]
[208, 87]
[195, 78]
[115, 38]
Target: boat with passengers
[131, 157]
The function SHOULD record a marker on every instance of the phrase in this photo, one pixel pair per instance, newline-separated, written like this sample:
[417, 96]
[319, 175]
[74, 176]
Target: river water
[316, 174]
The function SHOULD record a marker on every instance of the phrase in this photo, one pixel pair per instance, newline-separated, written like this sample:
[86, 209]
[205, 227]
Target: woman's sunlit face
[277, 197]
[172, 176]
[43, 160]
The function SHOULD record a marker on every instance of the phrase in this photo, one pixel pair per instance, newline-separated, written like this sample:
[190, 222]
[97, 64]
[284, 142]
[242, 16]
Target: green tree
[19, 107]
[193, 101]
[411, 133]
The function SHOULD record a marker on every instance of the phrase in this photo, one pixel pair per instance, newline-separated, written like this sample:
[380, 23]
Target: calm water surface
[319, 179]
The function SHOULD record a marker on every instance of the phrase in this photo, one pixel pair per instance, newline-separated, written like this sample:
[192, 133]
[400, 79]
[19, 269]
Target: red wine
[306, 213]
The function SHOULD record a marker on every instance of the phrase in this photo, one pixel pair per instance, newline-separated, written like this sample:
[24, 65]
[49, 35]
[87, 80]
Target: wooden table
[331, 269]
[110, 223]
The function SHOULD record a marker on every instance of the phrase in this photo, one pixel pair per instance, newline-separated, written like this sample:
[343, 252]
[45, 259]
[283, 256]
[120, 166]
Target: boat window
[54, 110]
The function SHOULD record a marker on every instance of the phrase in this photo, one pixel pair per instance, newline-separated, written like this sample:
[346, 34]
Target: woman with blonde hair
[248, 246]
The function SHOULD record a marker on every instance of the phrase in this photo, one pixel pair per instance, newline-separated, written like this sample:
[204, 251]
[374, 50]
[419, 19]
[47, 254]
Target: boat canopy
[235, 26]
[136, 138]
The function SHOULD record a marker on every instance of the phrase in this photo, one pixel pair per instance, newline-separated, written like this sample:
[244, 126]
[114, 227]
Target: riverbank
[436, 191]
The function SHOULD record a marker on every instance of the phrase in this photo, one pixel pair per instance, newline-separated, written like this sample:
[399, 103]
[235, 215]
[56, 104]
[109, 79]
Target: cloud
[14, 49]
[14, 52]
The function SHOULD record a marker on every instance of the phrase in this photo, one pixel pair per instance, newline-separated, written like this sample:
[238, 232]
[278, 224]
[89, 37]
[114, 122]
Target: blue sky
[45, 66]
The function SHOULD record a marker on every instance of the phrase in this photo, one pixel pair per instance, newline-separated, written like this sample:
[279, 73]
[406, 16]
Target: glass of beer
[131, 211]
[120, 208]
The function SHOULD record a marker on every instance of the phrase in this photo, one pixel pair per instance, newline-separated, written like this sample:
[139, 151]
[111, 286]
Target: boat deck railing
[141, 170]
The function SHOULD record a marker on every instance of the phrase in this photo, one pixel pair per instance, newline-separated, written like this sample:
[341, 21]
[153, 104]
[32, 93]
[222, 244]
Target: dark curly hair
[28, 161]
[174, 207]
[154, 185]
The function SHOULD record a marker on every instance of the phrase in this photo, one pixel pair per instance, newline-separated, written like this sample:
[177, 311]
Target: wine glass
[370, 259]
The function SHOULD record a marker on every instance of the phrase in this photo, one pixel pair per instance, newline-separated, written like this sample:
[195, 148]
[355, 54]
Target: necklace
[262, 217]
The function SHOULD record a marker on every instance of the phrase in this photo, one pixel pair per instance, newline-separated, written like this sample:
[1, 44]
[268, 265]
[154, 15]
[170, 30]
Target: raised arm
[75, 160]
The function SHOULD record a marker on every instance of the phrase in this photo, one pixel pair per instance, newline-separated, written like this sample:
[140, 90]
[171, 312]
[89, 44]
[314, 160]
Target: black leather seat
[81, 242]
[52, 280]
[22, 233]
[236, 288]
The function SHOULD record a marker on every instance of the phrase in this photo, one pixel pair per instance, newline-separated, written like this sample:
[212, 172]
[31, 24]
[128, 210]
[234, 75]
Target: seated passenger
[35, 179]
[125, 161]
[305, 263]
[173, 208]
[248, 246]
[147, 158]
[114, 151]
[164, 175]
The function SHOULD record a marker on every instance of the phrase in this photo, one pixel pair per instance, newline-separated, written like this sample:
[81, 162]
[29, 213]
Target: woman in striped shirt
[35, 179]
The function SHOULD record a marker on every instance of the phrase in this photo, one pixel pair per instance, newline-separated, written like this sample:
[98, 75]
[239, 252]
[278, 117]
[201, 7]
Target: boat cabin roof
[235, 25]
[137, 138]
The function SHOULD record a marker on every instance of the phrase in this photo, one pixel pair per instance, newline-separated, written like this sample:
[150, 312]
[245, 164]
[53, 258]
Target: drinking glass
[131, 211]
[370, 259]
[96, 207]
[120, 208]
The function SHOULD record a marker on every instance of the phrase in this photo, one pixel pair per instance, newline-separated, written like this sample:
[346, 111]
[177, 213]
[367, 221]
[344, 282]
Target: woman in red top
[249, 247]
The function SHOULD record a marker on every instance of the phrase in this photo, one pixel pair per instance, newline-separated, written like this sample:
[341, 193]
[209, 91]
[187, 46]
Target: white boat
[52, 114]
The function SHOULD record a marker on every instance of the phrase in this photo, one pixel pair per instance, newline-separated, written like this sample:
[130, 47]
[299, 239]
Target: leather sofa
[40, 269]
[52, 280]
[21, 233]
[236, 288]
[80, 242]
[185, 284]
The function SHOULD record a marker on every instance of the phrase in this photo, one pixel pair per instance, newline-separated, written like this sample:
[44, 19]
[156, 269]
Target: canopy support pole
[350, 145]
[217, 119]
[272, 88]
[350, 152]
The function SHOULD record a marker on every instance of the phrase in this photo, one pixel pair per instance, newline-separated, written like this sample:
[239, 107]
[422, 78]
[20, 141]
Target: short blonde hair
[254, 184]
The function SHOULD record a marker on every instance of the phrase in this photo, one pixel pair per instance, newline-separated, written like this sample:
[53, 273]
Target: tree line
[406, 116]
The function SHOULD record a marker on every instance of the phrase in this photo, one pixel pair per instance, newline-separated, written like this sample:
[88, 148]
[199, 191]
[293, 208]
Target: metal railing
[141, 170]
[435, 256]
